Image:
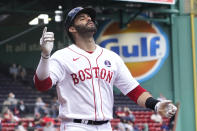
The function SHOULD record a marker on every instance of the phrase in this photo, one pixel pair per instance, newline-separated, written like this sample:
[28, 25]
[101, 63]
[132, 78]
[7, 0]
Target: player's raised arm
[42, 79]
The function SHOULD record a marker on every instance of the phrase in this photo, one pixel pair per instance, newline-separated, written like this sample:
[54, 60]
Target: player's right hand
[47, 42]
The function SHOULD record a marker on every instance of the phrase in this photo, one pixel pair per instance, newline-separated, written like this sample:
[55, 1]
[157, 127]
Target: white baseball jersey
[84, 82]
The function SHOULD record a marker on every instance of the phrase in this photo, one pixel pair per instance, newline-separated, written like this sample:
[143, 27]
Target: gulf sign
[142, 46]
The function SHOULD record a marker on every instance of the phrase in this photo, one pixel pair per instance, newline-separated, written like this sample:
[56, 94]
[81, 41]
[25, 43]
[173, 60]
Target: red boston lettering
[109, 76]
[96, 71]
[81, 75]
[88, 73]
[103, 73]
[75, 79]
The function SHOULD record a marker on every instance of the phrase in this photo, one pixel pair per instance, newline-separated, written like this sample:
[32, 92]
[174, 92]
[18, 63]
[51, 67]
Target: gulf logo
[142, 46]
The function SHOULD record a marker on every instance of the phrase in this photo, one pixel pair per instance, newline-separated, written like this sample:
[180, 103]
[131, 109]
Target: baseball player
[84, 74]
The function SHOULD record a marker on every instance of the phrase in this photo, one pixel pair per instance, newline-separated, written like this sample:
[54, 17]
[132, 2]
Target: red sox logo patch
[107, 63]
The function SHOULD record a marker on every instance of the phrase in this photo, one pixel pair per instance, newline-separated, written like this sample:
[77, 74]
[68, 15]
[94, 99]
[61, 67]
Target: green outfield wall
[183, 72]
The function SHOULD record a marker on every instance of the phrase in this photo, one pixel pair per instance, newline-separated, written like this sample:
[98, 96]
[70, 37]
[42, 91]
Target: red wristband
[135, 93]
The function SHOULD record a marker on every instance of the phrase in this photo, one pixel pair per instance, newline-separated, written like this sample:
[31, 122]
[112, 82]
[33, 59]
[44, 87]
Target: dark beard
[83, 29]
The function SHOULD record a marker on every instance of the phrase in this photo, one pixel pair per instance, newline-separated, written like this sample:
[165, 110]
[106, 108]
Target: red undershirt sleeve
[135, 93]
[42, 85]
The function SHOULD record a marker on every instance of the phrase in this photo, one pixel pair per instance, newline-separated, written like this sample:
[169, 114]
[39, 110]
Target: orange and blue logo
[142, 46]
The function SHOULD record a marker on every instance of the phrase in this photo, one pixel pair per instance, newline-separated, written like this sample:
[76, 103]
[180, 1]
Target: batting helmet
[73, 13]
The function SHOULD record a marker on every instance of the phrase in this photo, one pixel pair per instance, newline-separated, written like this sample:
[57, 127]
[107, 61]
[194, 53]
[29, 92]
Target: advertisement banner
[143, 46]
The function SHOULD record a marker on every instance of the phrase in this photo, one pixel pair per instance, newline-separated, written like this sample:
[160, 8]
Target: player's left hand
[165, 108]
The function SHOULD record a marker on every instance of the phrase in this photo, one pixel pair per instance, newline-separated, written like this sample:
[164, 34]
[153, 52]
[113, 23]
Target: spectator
[129, 115]
[47, 119]
[23, 74]
[13, 70]
[21, 108]
[20, 126]
[37, 121]
[145, 127]
[19, 69]
[136, 127]
[10, 102]
[30, 127]
[165, 127]
[40, 107]
[48, 122]
[11, 98]
[129, 126]
[156, 118]
[119, 112]
[121, 125]
[54, 107]
[9, 117]
[49, 127]
[125, 125]
[116, 128]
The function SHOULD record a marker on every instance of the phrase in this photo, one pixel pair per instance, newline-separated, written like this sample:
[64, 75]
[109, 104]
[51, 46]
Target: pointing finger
[44, 30]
